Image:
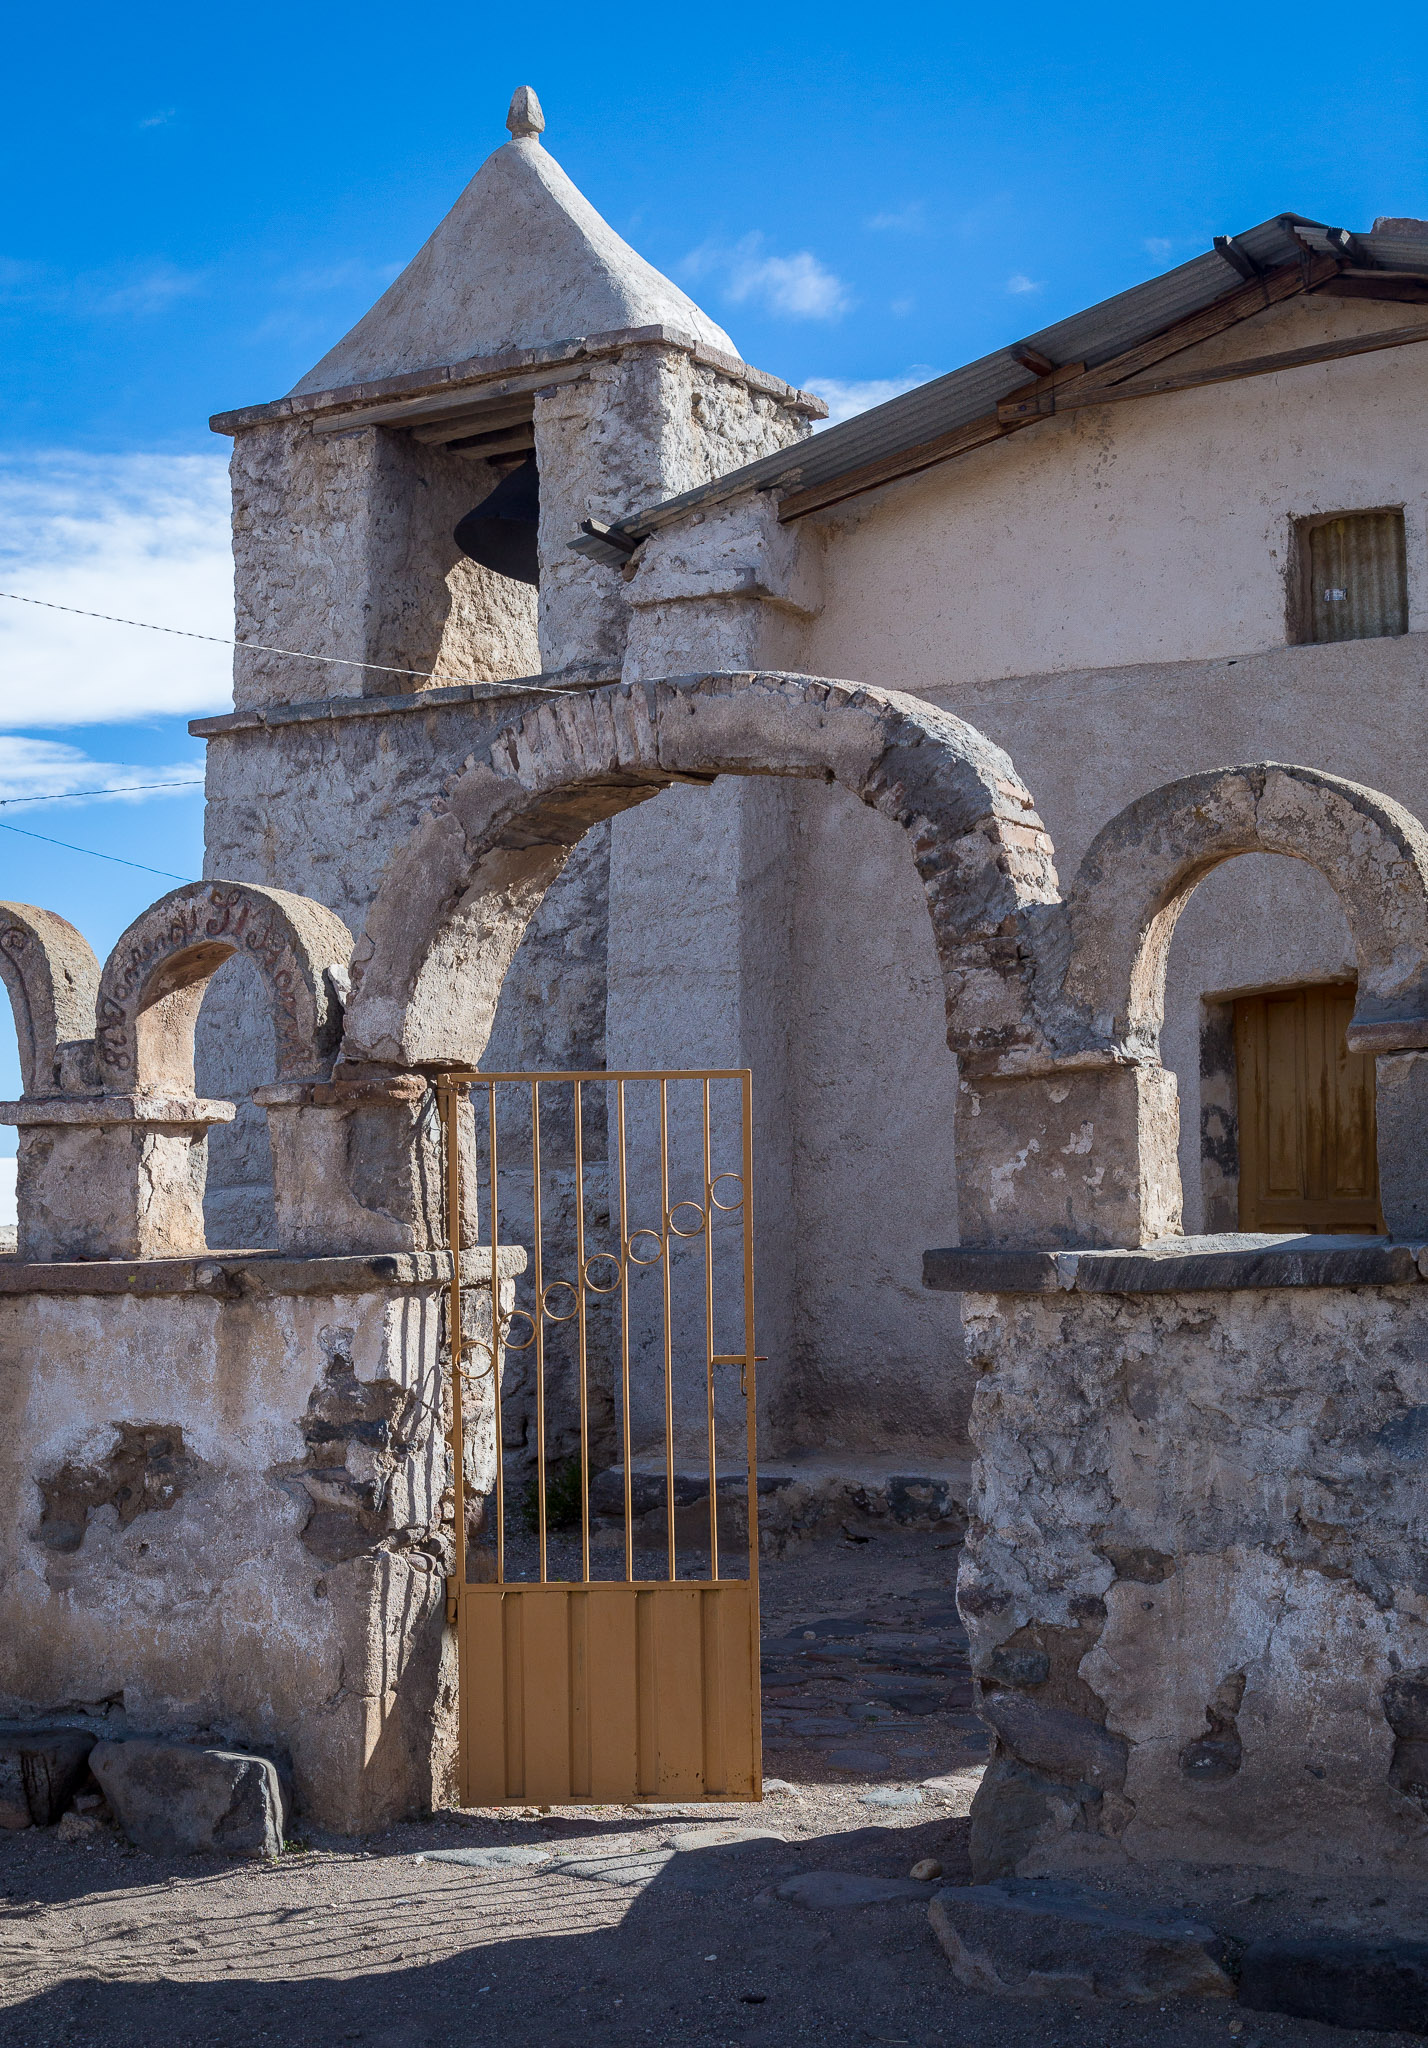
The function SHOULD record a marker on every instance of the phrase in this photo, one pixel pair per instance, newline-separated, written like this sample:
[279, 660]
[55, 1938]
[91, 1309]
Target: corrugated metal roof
[1093, 336]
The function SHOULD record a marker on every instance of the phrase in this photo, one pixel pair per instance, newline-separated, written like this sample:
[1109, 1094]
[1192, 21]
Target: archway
[1142, 867]
[154, 981]
[456, 900]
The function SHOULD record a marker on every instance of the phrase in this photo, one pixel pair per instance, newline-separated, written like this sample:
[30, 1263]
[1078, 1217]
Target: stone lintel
[471, 375]
[185, 1112]
[1235, 1259]
[446, 694]
[343, 1091]
[236, 1275]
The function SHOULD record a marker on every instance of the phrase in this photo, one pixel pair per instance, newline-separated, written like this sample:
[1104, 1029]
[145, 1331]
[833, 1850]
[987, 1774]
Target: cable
[260, 647]
[118, 858]
[64, 796]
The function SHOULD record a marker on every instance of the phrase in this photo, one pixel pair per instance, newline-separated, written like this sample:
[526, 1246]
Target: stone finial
[525, 117]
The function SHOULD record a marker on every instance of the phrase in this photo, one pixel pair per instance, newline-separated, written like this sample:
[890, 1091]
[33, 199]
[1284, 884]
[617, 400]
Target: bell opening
[501, 533]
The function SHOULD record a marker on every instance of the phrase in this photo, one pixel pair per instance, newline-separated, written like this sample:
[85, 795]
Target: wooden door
[1308, 1142]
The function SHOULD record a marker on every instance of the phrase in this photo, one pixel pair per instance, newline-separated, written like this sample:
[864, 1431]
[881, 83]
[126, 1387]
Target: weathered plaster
[1195, 1551]
[280, 1583]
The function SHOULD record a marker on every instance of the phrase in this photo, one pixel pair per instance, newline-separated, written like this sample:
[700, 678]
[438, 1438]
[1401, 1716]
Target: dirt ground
[620, 1927]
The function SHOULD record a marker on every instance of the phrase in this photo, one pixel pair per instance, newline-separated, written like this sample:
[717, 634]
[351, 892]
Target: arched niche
[52, 978]
[456, 899]
[154, 982]
[1141, 868]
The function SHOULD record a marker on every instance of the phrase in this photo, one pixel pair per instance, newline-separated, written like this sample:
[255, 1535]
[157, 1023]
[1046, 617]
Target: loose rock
[630, 1869]
[1033, 1940]
[893, 1795]
[174, 1799]
[80, 1827]
[1378, 1985]
[957, 1789]
[506, 1856]
[925, 1870]
[868, 1761]
[849, 1888]
[40, 1771]
[716, 1837]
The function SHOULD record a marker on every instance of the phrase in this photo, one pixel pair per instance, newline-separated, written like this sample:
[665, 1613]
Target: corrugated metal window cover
[1357, 576]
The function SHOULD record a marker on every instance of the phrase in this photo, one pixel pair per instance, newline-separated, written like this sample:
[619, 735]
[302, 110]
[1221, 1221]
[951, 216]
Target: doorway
[1308, 1153]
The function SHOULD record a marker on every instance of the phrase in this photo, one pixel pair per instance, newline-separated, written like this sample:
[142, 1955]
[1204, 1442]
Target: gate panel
[608, 1692]
[628, 1670]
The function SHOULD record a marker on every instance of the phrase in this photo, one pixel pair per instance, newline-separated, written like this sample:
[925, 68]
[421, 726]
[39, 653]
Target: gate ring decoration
[674, 1227]
[549, 1312]
[633, 1256]
[506, 1330]
[726, 1206]
[611, 1258]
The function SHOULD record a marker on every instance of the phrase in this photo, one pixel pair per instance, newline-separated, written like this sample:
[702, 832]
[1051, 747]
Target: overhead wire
[65, 796]
[118, 858]
[289, 653]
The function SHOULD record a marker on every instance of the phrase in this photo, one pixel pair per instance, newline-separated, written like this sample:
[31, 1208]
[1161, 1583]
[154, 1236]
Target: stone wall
[1194, 1579]
[324, 800]
[342, 546]
[226, 1513]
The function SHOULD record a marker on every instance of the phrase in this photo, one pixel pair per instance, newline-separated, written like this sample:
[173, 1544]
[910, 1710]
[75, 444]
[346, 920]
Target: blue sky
[201, 201]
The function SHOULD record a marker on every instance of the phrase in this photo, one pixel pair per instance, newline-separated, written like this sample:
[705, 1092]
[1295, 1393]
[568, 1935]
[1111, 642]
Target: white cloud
[1019, 284]
[907, 220]
[845, 398]
[158, 120]
[137, 536]
[127, 290]
[35, 772]
[797, 286]
[1158, 247]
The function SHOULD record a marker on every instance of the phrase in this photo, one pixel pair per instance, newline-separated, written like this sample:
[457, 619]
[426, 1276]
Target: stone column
[1082, 1156]
[112, 1176]
[358, 1165]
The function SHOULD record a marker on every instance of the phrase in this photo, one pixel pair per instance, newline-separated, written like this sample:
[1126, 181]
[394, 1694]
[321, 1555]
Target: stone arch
[1143, 866]
[456, 899]
[52, 978]
[154, 982]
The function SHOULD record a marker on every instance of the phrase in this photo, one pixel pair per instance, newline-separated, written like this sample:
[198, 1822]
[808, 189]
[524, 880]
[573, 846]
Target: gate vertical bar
[580, 1335]
[625, 1337]
[668, 1322]
[746, 1080]
[496, 1341]
[539, 1278]
[709, 1345]
[447, 1101]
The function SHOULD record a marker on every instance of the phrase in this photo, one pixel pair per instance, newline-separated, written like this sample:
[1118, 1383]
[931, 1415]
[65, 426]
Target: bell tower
[405, 512]
[525, 372]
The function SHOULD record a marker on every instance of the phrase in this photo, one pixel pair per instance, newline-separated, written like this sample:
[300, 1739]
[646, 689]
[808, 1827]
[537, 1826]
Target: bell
[500, 532]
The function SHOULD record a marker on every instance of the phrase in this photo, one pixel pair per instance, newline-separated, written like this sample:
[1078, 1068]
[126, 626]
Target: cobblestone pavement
[619, 1926]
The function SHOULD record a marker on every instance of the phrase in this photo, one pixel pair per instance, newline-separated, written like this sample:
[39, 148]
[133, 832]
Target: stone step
[796, 1497]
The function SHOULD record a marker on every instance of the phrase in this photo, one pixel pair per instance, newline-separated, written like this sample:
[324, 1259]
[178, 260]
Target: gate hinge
[451, 1602]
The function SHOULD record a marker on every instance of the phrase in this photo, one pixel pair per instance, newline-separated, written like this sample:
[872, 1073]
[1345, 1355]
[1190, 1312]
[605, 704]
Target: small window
[1307, 1144]
[1353, 573]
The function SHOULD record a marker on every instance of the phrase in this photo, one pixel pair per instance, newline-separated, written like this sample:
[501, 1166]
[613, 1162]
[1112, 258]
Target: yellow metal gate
[605, 1600]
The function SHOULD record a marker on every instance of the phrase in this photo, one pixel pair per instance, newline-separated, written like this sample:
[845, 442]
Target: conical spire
[525, 116]
[522, 260]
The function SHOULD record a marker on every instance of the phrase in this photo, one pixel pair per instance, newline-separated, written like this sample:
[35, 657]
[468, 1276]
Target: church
[1184, 527]
[1006, 798]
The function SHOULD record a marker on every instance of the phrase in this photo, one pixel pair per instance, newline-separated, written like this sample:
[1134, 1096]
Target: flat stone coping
[261, 717]
[234, 1276]
[1235, 1259]
[179, 1112]
[468, 377]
